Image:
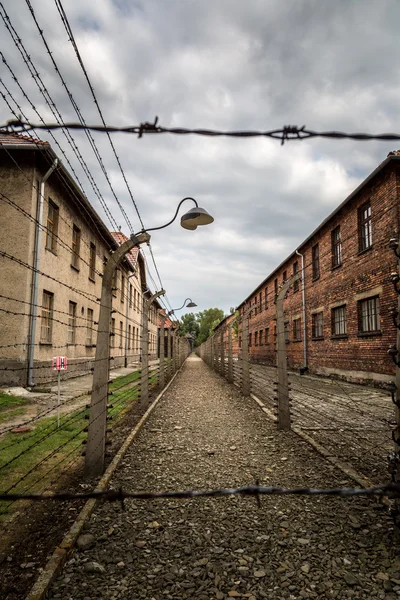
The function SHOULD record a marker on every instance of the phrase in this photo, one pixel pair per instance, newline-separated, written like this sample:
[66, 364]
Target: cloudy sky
[225, 64]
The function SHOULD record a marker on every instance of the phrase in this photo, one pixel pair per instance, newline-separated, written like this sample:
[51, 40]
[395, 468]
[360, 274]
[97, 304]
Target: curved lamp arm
[174, 217]
[180, 308]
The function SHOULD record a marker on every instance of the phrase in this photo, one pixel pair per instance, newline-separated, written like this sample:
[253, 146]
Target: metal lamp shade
[191, 305]
[195, 217]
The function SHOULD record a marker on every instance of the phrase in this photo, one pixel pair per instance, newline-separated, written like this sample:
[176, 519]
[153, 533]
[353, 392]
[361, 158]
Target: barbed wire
[249, 490]
[284, 134]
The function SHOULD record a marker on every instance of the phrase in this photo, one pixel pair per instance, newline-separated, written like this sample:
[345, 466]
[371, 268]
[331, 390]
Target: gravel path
[204, 434]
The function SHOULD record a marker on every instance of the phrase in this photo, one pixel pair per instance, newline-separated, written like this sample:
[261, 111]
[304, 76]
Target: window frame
[92, 261]
[256, 338]
[364, 228]
[296, 284]
[75, 247]
[71, 332]
[47, 317]
[335, 321]
[89, 327]
[317, 327]
[260, 338]
[52, 226]
[250, 339]
[336, 247]
[297, 330]
[266, 336]
[316, 266]
[375, 314]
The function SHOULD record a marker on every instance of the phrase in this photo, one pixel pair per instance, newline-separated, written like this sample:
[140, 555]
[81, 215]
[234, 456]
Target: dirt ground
[203, 435]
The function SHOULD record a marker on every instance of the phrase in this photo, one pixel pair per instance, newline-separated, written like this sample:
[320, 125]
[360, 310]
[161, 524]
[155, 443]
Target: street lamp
[95, 448]
[191, 304]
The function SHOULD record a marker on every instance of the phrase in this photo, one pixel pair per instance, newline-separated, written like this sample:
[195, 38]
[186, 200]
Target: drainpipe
[128, 302]
[35, 279]
[303, 295]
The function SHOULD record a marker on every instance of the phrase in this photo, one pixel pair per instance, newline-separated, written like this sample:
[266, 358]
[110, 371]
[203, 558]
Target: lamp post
[190, 304]
[95, 448]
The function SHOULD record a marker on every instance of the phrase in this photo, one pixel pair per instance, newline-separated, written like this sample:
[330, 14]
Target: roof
[18, 141]
[7, 138]
[132, 256]
[392, 156]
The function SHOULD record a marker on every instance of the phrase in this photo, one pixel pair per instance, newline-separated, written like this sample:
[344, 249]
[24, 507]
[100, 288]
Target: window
[121, 334]
[92, 261]
[52, 227]
[267, 335]
[339, 321]
[297, 330]
[284, 277]
[130, 295]
[266, 298]
[129, 337]
[286, 332]
[261, 337]
[276, 287]
[317, 326]
[72, 323]
[46, 329]
[112, 333]
[249, 339]
[240, 341]
[76, 246]
[255, 306]
[256, 338]
[336, 248]
[89, 327]
[260, 296]
[369, 315]
[122, 288]
[295, 271]
[364, 227]
[315, 261]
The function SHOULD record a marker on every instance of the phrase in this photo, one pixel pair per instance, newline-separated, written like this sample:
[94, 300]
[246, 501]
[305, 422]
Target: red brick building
[337, 318]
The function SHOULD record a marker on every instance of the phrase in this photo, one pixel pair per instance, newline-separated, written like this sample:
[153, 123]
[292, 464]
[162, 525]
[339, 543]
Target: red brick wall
[355, 356]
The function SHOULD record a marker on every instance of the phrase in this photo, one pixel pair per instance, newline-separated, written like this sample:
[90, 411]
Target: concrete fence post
[230, 356]
[281, 358]
[245, 354]
[162, 350]
[222, 353]
[145, 372]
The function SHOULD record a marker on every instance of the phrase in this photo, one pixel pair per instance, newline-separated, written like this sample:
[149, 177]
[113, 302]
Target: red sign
[59, 363]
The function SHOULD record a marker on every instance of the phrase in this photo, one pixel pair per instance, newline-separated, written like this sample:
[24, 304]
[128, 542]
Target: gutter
[303, 296]
[36, 268]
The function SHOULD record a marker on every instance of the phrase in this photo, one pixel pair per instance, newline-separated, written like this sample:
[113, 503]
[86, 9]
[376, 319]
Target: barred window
[365, 227]
[47, 317]
[317, 325]
[122, 288]
[261, 337]
[89, 327]
[256, 338]
[297, 330]
[369, 315]
[315, 261]
[52, 227]
[76, 246]
[267, 335]
[72, 323]
[336, 247]
[295, 271]
[92, 261]
[339, 321]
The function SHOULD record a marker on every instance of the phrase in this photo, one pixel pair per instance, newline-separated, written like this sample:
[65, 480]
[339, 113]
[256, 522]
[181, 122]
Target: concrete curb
[347, 470]
[64, 550]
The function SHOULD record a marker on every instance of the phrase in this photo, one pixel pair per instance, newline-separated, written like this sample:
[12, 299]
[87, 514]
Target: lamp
[190, 304]
[192, 219]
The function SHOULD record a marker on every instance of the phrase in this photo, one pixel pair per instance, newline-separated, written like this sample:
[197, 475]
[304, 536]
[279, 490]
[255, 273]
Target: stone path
[203, 434]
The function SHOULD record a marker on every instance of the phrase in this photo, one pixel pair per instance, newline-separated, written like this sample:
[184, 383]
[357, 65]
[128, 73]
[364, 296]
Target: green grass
[7, 401]
[10, 414]
[52, 447]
